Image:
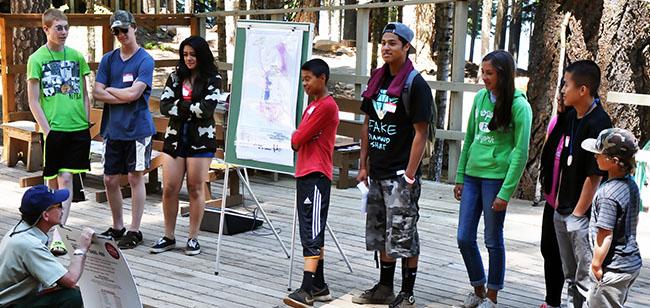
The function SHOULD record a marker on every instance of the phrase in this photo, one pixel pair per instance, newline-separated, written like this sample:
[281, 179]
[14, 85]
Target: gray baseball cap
[402, 31]
[122, 19]
[614, 142]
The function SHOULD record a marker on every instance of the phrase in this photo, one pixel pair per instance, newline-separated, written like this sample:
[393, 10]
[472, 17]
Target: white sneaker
[472, 301]
[487, 303]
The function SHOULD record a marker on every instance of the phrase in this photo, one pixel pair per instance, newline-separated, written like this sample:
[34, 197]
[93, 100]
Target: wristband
[79, 252]
[408, 180]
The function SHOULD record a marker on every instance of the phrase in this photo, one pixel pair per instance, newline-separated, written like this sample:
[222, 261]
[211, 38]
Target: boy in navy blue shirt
[123, 83]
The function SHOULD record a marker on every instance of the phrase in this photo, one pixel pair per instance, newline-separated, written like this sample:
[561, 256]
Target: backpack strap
[406, 91]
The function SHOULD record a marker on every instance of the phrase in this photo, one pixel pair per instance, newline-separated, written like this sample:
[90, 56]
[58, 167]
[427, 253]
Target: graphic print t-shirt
[390, 129]
[60, 75]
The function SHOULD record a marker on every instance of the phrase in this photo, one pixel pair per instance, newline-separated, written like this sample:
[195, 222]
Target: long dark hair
[505, 89]
[205, 66]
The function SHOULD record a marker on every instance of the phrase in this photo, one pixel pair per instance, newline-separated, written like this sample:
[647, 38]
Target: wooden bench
[347, 149]
[22, 142]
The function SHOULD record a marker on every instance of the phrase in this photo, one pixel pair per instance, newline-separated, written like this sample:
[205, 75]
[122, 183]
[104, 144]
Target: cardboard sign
[106, 281]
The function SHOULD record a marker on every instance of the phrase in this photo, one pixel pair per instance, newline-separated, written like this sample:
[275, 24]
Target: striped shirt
[616, 208]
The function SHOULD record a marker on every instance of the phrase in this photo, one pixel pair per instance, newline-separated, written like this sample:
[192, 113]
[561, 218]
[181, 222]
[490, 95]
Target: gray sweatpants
[611, 290]
[575, 250]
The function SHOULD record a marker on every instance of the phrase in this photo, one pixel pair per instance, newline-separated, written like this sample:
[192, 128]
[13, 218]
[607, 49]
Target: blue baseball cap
[39, 198]
[402, 31]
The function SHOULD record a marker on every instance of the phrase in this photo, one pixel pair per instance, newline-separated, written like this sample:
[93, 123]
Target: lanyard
[51, 55]
[571, 140]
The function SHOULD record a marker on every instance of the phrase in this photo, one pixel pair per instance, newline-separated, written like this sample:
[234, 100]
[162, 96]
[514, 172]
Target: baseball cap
[400, 30]
[39, 198]
[616, 142]
[122, 19]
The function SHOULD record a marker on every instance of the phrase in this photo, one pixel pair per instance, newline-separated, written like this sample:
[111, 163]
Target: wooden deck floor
[254, 269]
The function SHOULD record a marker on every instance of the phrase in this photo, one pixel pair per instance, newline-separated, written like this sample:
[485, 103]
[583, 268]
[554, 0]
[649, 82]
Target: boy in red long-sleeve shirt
[314, 141]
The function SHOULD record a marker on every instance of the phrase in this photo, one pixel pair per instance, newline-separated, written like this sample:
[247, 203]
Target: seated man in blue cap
[30, 276]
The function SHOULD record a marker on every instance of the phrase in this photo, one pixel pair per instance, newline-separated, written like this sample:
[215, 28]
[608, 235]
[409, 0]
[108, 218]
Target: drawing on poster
[271, 79]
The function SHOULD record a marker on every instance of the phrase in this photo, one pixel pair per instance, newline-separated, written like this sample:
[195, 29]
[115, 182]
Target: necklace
[570, 142]
[65, 87]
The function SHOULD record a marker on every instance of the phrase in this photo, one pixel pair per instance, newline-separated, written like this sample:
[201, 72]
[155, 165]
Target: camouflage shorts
[392, 216]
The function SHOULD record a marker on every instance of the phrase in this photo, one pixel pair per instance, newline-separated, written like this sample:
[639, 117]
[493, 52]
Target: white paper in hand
[364, 196]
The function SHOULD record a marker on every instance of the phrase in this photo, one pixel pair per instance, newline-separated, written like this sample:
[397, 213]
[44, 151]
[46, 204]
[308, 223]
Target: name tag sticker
[128, 77]
[390, 107]
[310, 110]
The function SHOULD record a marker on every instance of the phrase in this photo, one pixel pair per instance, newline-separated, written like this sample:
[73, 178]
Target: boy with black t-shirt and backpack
[614, 219]
[579, 175]
[392, 143]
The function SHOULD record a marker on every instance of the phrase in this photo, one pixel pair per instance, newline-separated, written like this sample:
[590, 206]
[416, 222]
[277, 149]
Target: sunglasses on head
[117, 31]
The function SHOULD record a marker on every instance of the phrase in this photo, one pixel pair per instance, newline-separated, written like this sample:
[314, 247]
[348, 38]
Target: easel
[293, 244]
[245, 180]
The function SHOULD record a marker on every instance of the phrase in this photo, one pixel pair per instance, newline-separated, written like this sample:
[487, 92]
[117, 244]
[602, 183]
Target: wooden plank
[628, 98]
[357, 7]
[361, 68]
[8, 86]
[29, 181]
[457, 75]
[20, 116]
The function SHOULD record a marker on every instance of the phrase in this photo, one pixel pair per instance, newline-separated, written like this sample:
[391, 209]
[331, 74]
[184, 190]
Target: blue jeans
[478, 195]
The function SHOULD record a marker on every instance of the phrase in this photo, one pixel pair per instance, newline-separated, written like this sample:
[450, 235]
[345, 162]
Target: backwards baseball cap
[122, 19]
[39, 198]
[402, 31]
[615, 142]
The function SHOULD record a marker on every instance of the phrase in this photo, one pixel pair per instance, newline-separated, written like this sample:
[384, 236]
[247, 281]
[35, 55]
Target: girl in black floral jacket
[189, 100]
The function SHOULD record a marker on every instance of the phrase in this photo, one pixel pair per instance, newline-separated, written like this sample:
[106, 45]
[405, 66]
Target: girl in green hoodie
[491, 163]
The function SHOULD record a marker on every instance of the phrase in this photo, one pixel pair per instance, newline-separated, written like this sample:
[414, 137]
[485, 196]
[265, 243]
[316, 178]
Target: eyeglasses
[117, 31]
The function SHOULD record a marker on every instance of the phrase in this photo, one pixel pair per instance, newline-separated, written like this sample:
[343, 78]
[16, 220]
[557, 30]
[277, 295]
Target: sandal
[130, 240]
[57, 248]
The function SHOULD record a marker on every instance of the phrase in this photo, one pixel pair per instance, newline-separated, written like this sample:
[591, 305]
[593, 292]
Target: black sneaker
[193, 248]
[378, 295]
[403, 300]
[115, 234]
[299, 299]
[322, 294]
[130, 240]
[162, 245]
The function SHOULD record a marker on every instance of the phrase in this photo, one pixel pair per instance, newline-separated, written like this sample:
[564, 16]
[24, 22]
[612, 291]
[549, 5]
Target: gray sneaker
[472, 301]
[487, 303]
[378, 295]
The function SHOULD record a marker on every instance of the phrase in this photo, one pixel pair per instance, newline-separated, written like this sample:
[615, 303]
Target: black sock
[387, 273]
[319, 278]
[307, 281]
[408, 279]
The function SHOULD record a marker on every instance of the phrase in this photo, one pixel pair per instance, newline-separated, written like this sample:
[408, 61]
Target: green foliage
[157, 45]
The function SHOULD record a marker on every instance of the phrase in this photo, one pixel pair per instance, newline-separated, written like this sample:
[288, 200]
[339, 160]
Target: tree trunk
[424, 41]
[543, 62]
[378, 19]
[500, 31]
[90, 9]
[474, 31]
[515, 28]
[624, 57]
[350, 22]
[221, 43]
[171, 6]
[26, 41]
[309, 17]
[444, 30]
[486, 26]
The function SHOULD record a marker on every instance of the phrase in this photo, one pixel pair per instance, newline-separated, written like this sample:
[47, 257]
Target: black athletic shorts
[124, 156]
[66, 152]
[313, 193]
